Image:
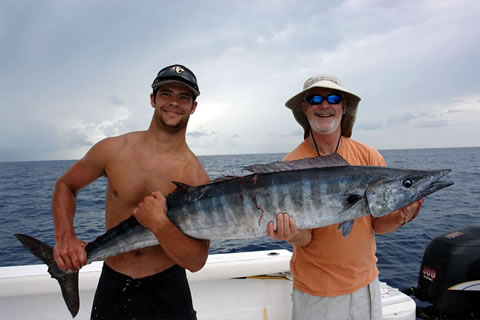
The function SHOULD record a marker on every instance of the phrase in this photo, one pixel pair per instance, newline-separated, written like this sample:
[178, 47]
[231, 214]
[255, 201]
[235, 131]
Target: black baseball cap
[177, 73]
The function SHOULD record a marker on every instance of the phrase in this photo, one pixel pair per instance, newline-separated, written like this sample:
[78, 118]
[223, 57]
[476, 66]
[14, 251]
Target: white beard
[325, 128]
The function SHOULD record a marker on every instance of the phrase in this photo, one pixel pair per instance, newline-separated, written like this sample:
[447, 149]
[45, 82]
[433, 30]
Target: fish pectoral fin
[346, 227]
[350, 201]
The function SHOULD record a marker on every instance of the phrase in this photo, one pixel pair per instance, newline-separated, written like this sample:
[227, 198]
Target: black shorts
[165, 295]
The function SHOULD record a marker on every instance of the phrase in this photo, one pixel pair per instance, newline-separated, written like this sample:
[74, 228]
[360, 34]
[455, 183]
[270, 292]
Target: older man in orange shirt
[334, 277]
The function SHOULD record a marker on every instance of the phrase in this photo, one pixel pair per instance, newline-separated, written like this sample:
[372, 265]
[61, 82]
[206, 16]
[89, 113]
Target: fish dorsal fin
[180, 185]
[225, 178]
[332, 160]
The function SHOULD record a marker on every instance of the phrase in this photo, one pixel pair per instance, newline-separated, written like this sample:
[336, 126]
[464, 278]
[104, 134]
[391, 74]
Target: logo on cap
[178, 69]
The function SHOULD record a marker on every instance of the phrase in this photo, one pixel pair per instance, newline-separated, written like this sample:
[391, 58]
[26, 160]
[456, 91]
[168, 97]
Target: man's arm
[187, 252]
[69, 251]
[396, 219]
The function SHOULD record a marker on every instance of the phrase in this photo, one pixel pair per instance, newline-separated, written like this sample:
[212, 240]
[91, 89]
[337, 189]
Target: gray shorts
[362, 304]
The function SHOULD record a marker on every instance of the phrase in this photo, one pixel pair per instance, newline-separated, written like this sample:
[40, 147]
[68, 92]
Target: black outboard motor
[450, 276]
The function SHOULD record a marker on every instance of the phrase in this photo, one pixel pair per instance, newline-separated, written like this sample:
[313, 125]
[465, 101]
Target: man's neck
[166, 139]
[325, 144]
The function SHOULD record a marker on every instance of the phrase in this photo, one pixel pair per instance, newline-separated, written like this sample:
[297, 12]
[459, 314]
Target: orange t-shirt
[331, 265]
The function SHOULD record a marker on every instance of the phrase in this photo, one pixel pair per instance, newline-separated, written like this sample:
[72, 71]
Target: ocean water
[25, 195]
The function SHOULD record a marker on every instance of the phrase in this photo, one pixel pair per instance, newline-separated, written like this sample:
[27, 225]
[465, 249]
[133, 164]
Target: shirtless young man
[148, 283]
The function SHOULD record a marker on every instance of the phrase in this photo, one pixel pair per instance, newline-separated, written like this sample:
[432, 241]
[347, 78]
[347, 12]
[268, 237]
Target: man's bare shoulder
[200, 175]
[109, 149]
[126, 138]
[110, 144]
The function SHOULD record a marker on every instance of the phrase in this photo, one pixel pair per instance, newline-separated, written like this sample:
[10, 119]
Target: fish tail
[68, 280]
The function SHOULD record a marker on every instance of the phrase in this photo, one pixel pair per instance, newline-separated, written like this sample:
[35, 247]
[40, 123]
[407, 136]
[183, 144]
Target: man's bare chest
[130, 181]
[129, 184]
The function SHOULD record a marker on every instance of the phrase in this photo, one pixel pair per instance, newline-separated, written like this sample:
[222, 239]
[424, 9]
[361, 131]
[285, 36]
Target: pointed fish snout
[438, 184]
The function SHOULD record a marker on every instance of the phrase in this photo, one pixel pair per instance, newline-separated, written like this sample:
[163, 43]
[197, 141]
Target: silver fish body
[316, 196]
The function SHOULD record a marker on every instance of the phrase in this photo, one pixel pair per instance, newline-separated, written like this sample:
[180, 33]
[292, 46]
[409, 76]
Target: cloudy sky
[74, 72]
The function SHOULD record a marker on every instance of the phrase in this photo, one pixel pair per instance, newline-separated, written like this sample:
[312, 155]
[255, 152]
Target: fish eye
[407, 183]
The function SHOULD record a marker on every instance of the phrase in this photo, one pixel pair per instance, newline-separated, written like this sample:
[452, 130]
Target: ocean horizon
[257, 153]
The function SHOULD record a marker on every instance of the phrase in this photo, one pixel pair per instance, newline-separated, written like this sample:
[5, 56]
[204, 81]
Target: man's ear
[304, 107]
[194, 106]
[152, 100]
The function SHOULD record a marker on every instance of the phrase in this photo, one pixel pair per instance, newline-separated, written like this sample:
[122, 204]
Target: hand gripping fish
[316, 191]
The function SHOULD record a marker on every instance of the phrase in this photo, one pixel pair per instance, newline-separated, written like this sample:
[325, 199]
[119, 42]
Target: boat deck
[247, 285]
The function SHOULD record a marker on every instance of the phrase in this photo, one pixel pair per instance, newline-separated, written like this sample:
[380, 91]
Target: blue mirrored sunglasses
[318, 99]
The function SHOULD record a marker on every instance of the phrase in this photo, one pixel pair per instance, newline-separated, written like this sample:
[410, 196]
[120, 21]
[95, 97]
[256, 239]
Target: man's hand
[152, 212]
[70, 254]
[286, 228]
[411, 211]
[287, 231]
[396, 219]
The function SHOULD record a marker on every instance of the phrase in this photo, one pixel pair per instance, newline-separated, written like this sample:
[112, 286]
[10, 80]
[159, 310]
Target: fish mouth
[437, 185]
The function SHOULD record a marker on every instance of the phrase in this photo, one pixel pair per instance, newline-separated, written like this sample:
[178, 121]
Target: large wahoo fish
[316, 191]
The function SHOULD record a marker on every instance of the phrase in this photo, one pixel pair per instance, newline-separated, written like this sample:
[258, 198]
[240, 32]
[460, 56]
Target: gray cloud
[369, 126]
[73, 138]
[298, 132]
[401, 119]
[454, 111]
[116, 101]
[197, 134]
[433, 124]
[76, 72]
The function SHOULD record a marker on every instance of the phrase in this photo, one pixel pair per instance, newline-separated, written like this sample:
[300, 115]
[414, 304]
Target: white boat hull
[226, 288]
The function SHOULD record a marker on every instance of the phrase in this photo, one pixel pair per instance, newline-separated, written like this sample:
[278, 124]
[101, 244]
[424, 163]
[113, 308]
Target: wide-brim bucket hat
[331, 82]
